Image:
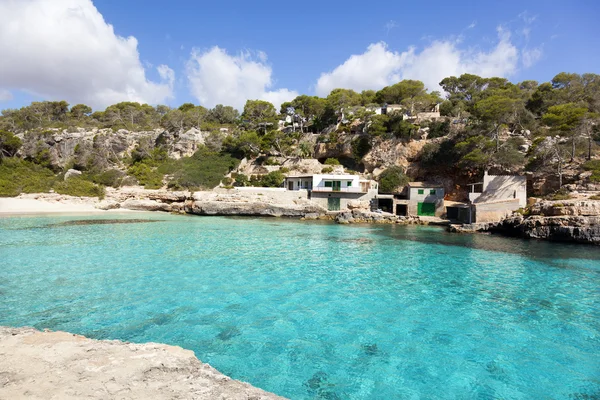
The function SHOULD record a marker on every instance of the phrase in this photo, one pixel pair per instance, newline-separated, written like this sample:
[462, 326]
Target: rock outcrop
[60, 365]
[575, 221]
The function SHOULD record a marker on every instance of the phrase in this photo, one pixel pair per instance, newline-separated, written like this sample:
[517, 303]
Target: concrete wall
[503, 187]
[320, 198]
[413, 206]
[426, 197]
[494, 211]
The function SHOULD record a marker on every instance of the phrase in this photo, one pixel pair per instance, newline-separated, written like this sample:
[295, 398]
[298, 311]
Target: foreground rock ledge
[60, 365]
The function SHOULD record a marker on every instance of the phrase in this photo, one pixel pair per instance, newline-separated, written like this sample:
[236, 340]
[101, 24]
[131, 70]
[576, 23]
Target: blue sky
[286, 47]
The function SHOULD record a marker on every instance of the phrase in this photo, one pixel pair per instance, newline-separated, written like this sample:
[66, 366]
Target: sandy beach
[47, 203]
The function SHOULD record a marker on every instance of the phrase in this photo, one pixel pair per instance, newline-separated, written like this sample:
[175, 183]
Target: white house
[500, 195]
[333, 191]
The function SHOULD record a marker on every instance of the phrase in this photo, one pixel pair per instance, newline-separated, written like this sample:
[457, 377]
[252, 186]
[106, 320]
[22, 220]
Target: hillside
[548, 131]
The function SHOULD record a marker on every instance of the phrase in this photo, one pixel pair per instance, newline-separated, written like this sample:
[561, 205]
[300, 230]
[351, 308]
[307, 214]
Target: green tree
[79, 111]
[223, 114]
[496, 110]
[259, 113]
[378, 125]
[392, 179]
[9, 144]
[568, 120]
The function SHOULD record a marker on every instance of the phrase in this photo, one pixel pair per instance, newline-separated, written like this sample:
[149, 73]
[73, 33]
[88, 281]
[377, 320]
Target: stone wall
[494, 211]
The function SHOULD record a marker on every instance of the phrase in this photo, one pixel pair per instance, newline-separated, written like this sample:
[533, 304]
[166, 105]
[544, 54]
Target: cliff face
[62, 147]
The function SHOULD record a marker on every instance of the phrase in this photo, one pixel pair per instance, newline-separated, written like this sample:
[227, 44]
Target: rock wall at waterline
[575, 221]
[60, 365]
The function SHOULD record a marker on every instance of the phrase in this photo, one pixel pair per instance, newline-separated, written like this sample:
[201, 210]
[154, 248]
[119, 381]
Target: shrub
[271, 161]
[284, 170]
[272, 179]
[77, 186]
[18, 176]
[111, 177]
[205, 169]
[360, 147]
[9, 144]
[438, 129]
[332, 161]
[146, 175]
[327, 170]
[561, 194]
[241, 180]
[391, 179]
[594, 197]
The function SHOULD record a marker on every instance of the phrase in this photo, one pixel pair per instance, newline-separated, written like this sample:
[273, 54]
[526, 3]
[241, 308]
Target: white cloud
[5, 95]
[531, 56]
[379, 66]
[472, 25]
[216, 77]
[63, 49]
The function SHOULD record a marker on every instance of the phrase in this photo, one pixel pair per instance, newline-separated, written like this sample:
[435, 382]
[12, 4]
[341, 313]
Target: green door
[426, 209]
[337, 186]
[333, 204]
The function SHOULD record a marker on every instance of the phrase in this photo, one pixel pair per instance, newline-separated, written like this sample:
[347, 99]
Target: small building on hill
[500, 195]
[333, 192]
[421, 199]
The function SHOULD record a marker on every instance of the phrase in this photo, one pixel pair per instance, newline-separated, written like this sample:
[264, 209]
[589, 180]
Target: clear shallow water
[314, 310]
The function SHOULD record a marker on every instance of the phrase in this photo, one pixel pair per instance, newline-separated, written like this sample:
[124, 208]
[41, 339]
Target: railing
[344, 190]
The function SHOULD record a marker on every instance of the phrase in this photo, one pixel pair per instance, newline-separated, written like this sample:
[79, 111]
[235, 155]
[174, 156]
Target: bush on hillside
[392, 179]
[77, 186]
[18, 176]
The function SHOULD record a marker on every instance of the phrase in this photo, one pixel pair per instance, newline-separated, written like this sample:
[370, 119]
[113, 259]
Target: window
[432, 191]
[349, 183]
[421, 191]
[328, 184]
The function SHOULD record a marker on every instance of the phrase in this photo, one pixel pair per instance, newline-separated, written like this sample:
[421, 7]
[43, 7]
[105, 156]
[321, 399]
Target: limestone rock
[71, 173]
[108, 205]
[60, 365]
[145, 205]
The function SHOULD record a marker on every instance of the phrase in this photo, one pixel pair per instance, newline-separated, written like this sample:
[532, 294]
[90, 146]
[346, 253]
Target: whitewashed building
[333, 191]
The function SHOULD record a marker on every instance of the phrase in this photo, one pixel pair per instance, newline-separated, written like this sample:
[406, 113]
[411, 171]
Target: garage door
[426, 209]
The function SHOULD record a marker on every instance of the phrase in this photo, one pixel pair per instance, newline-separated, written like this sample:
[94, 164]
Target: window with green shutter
[432, 191]
[328, 184]
[421, 191]
[349, 183]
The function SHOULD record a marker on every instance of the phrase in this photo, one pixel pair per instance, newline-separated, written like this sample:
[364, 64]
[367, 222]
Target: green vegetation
[78, 186]
[18, 176]
[483, 125]
[204, 170]
[392, 179]
[332, 161]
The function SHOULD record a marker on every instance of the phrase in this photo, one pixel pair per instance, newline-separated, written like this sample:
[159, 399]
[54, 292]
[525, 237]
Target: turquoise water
[320, 311]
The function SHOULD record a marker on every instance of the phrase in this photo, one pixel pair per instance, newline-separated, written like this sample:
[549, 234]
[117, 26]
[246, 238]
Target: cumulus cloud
[379, 66]
[63, 49]
[216, 77]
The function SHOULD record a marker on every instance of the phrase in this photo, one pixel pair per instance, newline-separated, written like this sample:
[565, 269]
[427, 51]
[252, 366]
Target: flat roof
[425, 185]
[326, 176]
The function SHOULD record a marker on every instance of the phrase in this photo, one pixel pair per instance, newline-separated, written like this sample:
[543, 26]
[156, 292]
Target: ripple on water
[319, 310]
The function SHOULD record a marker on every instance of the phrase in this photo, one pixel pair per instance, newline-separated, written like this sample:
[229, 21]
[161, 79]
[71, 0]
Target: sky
[102, 52]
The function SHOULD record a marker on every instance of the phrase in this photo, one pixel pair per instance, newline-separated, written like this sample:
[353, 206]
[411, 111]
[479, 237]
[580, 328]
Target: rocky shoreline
[61, 365]
[574, 221]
